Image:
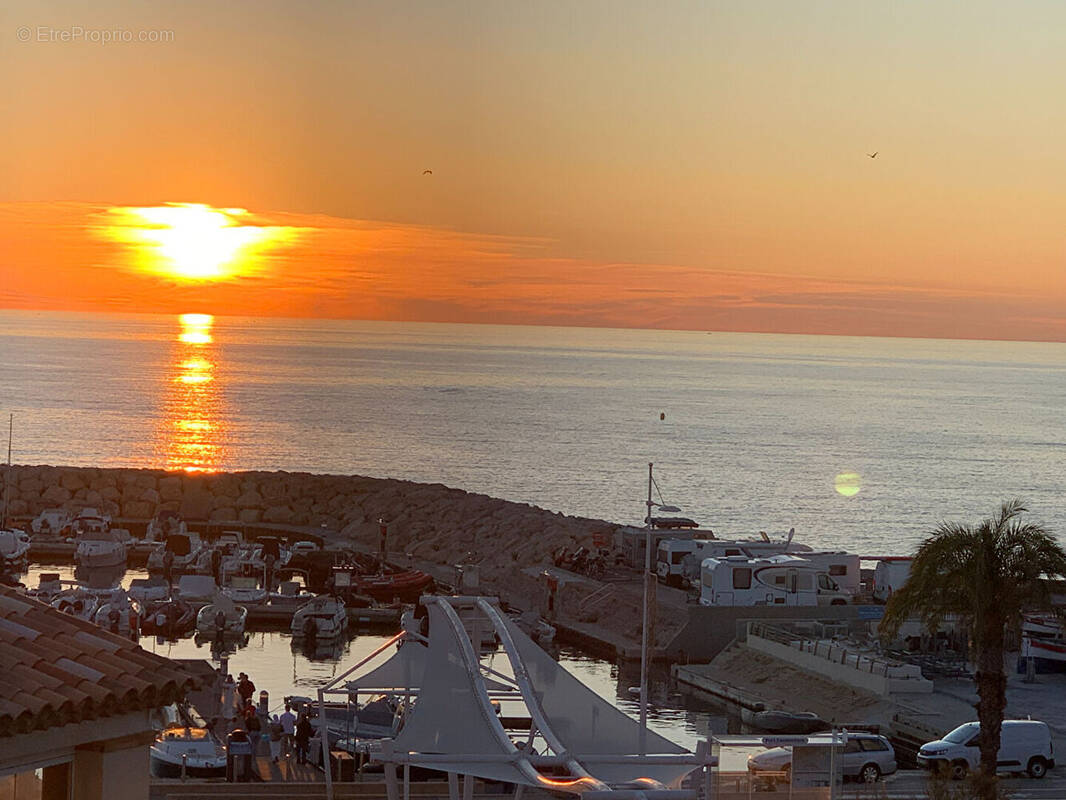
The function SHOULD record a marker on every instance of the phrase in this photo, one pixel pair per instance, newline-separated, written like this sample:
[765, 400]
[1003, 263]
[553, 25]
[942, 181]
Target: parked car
[1024, 745]
[866, 758]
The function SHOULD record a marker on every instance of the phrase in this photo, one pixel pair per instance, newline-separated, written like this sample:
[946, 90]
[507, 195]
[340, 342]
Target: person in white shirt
[288, 728]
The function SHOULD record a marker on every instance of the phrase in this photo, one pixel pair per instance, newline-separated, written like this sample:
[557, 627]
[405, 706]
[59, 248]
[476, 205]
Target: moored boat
[179, 552]
[221, 617]
[97, 544]
[245, 590]
[185, 751]
[322, 618]
[149, 590]
[14, 549]
[172, 619]
[77, 602]
[121, 615]
[50, 521]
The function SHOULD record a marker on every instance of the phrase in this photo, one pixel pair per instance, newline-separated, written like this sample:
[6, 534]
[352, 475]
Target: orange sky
[698, 165]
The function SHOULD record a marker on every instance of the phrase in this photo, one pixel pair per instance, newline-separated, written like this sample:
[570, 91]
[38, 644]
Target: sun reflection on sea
[192, 432]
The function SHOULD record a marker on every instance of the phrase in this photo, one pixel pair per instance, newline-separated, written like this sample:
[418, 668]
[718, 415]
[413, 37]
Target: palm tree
[987, 576]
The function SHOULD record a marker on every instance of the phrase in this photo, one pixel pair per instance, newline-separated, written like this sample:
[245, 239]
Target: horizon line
[590, 326]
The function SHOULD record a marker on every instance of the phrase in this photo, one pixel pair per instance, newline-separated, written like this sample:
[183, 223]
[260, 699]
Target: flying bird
[873, 154]
[427, 172]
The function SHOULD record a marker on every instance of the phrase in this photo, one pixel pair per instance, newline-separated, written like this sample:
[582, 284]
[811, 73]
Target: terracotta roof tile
[56, 669]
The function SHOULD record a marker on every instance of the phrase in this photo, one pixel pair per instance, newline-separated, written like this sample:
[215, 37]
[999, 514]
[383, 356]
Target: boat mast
[644, 626]
[7, 468]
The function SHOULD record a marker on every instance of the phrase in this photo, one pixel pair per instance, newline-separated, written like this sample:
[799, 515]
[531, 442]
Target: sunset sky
[632, 164]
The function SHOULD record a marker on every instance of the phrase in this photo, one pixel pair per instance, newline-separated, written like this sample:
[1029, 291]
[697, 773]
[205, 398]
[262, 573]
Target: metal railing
[831, 651]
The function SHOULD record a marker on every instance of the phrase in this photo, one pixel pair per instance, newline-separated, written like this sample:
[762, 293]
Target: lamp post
[648, 578]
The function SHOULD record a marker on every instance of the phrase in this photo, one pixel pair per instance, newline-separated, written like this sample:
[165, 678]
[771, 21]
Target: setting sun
[192, 241]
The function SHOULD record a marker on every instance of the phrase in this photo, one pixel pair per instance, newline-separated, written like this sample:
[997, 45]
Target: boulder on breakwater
[429, 521]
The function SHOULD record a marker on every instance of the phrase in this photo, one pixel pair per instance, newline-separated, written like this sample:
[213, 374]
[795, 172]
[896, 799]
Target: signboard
[783, 741]
[871, 612]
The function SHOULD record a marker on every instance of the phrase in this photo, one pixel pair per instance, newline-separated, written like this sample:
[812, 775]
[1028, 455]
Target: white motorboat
[49, 587]
[256, 559]
[290, 594]
[196, 588]
[78, 603]
[121, 615]
[535, 627]
[245, 590]
[14, 549]
[180, 551]
[164, 524]
[322, 618]
[50, 521]
[97, 544]
[222, 617]
[183, 751]
[149, 590]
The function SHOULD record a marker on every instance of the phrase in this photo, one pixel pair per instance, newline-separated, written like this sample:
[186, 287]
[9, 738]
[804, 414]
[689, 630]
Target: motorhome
[678, 560]
[784, 580]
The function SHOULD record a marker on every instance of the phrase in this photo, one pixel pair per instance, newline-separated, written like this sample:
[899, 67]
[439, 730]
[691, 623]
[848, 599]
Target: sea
[863, 444]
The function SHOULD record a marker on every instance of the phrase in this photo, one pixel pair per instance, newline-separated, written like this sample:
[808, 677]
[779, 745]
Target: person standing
[245, 688]
[276, 732]
[303, 738]
[254, 726]
[288, 730]
[229, 703]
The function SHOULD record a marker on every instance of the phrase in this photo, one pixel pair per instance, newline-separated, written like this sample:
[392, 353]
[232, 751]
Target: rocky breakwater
[429, 521]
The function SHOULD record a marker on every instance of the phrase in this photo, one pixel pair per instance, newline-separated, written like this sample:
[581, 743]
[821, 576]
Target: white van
[1024, 746]
[889, 576]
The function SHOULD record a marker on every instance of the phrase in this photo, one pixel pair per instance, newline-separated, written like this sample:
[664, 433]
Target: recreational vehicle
[678, 560]
[781, 580]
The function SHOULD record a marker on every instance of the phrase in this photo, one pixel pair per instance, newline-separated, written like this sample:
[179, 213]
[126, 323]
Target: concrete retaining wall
[708, 630]
[844, 673]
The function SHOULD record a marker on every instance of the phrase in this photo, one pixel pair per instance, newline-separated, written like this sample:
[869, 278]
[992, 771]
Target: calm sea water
[757, 427]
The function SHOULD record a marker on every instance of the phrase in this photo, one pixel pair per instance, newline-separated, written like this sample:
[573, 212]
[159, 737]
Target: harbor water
[284, 668]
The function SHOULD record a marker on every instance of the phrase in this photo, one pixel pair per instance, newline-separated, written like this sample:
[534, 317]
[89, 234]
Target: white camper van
[782, 580]
[678, 560]
[1024, 746]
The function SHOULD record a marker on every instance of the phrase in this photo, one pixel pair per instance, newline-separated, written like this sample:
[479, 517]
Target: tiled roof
[55, 669]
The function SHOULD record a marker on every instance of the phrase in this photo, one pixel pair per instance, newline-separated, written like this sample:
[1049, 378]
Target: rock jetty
[429, 521]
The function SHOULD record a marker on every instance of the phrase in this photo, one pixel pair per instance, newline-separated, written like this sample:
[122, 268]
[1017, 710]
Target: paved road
[908, 784]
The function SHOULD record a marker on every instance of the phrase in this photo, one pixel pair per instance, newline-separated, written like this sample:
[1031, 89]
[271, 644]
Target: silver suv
[866, 758]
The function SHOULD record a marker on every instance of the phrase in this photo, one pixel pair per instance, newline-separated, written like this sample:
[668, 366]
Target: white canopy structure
[572, 740]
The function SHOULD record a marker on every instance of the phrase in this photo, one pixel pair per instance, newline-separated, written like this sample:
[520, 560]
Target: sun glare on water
[193, 241]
